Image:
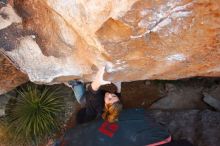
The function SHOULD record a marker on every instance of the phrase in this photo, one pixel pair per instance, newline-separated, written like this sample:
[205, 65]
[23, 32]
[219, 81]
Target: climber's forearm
[98, 80]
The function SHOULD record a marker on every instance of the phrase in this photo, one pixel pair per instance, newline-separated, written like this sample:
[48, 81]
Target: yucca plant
[34, 114]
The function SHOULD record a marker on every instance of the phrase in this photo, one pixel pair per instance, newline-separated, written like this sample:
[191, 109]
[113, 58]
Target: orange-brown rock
[57, 40]
[10, 77]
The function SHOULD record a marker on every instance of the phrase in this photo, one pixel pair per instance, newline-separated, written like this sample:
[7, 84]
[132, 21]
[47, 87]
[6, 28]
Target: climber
[96, 102]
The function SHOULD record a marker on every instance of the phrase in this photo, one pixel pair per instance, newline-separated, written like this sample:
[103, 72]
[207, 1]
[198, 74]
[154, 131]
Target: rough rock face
[199, 127]
[212, 98]
[10, 77]
[4, 101]
[182, 96]
[57, 40]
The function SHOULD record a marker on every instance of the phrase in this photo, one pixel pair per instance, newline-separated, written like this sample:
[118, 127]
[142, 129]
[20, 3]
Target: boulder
[10, 76]
[201, 127]
[55, 41]
[4, 100]
[212, 97]
[182, 95]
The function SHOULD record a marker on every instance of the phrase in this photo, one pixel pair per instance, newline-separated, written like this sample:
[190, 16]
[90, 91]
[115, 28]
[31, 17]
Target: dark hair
[118, 94]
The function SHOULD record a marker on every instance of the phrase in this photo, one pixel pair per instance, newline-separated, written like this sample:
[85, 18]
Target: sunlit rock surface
[57, 40]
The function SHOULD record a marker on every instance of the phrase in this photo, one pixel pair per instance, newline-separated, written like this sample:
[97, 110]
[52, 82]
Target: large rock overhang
[54, 41]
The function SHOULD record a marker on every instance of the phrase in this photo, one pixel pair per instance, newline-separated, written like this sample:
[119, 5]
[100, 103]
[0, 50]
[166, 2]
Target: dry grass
[5, 135]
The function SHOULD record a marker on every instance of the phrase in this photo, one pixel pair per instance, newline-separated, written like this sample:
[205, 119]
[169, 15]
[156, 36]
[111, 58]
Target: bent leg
[79, 90]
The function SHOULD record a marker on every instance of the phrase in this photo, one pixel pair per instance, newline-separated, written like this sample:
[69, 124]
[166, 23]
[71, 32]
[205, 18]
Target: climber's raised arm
[98, 80]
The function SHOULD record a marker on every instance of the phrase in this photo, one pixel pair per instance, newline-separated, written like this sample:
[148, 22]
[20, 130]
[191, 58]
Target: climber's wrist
[95, 85]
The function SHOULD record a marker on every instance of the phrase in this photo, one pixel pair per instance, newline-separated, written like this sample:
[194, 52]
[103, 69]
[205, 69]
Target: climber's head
[111, 98]
[112, 108]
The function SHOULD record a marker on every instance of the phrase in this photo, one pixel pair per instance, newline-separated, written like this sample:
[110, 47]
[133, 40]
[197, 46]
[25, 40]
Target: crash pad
[134, 128]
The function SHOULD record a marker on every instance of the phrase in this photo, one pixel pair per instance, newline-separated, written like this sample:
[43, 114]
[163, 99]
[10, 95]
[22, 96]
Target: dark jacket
[94, 105]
